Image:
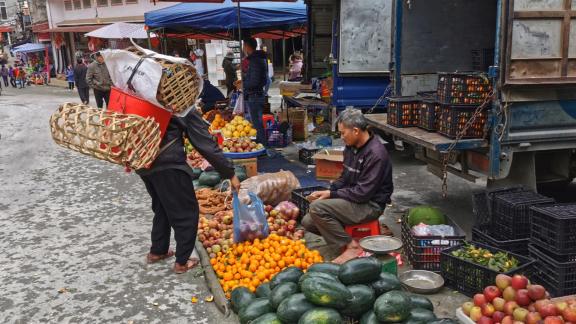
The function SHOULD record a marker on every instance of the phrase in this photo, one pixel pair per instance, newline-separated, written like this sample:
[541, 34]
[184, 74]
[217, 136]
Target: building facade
[9, 18]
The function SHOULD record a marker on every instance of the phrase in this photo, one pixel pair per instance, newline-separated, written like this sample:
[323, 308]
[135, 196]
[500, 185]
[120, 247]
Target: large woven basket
[128, 140]
[179, 86]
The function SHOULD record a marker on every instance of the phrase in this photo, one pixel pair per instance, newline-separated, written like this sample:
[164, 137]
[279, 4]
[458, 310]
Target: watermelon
[290, 274]
[325, 267]
[255, 309]
[209, 179]
[316, 275]
[321, 315]
[421, 315]
[360, 270]
[369, 318]
[281, 292]
[418, 301]
[326, 292]
[240, 297]
[362, 301]
[393, 306]
[386, 282]
[263, 290]
[293, 307]
[268, 318]
[427, 215]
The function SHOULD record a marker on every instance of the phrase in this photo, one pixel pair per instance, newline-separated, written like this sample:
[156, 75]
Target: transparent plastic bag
[249, 219]
[272, 188]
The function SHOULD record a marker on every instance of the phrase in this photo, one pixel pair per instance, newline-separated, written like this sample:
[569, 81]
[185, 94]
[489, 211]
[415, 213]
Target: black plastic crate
[278, 139]
[465, 88]
[470, 278]
[299, 198]
[486, 234]
[493, 193]
[305, 155]
[480, 209]
[558, 276]
[429, 114]
[423, 252]
[453, 118]
[512, 213]
[403, 111]
[554, 227]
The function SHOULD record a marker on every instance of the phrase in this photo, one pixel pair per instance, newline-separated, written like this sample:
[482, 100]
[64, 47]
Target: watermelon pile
[329, 293]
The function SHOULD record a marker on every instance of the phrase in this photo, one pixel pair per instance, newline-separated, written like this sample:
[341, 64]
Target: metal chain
[446, 154]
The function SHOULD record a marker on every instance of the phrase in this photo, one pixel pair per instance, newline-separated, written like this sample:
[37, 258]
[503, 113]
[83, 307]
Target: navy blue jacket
[254, 78]
[367, 175]
[210, 94]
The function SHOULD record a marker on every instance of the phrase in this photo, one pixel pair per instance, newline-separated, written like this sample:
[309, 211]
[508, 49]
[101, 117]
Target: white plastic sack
[239, 105]
[121, 63]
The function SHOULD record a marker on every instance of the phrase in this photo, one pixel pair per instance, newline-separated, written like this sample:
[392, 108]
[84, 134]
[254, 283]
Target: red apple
[539, 304]
[498, 303]
[536, 292]
[561, 306]
[503, 281]
[520, 314]
[509, 294]
[498, 316]
[492, 292]
[553, 320]
[485, 320]
[475, 313]
[466, 307]
[509, 307]
[519, 282]
[533, 318]
[522, 297]
[479, 300]
[569, 313]
[488, 309]
[548, 309]
[507, 320]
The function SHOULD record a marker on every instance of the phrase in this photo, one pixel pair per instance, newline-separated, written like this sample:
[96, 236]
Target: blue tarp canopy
[210, 17]
[29, 48]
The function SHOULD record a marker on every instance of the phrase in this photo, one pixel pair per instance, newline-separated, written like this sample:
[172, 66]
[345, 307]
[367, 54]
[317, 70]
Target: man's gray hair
[352, 118]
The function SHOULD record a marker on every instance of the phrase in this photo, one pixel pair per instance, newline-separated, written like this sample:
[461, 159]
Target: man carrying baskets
[169, 183]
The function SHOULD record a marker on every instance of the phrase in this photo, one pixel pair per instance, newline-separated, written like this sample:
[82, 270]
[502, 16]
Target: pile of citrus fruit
[249, 264]
[238, 127]
[217, 123]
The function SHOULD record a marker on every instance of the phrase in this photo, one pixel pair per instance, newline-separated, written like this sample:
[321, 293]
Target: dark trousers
[101, 96]
[13, 82]
[84, 94]
[70, 85]
[5, 78]
[256, 108]
[175, 206]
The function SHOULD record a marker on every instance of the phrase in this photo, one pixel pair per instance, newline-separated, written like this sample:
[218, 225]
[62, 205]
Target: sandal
[153, 258]
[180, 269]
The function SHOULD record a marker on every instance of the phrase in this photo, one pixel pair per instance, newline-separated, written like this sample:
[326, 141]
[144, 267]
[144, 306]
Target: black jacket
[229, 70]
[367, 175]
[196, 130]
[80, 76]
[255, 76]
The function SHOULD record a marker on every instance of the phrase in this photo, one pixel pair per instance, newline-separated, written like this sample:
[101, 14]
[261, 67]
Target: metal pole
[239, 31]
[284, 55]
[149, 42]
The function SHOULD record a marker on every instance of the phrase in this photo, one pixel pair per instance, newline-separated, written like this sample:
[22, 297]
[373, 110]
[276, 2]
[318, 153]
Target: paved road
[74, 224]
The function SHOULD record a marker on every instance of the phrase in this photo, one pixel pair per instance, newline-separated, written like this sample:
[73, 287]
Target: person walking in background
[254, 78]
[98, 78]
[197, 60]
[11, 74]
[295, 73]
[20, 77]
[80, 79]
[4, 73]
[230, 72]
[70, 77]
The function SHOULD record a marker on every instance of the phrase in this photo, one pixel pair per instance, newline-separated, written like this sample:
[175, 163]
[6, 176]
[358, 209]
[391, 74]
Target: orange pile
[251, 263]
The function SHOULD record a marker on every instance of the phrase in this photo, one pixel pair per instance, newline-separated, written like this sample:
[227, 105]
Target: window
[87, 3]
[102, 3]
[77, 4]
[131, 1]
[3, 12]
[68, 5]
[116, 2]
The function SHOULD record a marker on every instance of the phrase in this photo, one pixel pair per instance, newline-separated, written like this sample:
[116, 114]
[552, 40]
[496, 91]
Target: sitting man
[360, 194]
[210, 96]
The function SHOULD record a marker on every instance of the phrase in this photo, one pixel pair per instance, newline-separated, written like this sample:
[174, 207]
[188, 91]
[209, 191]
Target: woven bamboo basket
[179, 86]
[128, 140]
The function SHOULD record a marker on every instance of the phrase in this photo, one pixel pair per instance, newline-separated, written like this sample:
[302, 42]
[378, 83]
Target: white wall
[57, 13]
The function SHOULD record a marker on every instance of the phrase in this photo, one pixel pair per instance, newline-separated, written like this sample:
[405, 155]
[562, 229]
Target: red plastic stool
[267, 119]
[362, 230]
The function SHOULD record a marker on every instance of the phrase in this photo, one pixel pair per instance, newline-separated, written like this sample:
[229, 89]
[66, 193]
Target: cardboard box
[329, 164]
[251, 165]
[299, 120]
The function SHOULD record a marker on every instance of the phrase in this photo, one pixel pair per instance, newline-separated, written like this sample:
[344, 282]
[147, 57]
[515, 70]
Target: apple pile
[217, 233]
[282, 220]
[513, 300]
[240, 145]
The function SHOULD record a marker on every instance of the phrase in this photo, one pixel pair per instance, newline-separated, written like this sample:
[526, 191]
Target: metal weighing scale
[382, 246]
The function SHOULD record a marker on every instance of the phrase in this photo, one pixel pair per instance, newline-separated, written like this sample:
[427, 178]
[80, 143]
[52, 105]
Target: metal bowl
[421, 281]
[380, 244]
